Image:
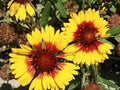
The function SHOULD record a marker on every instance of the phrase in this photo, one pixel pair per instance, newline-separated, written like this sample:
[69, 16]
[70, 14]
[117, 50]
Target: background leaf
[107, 82]
[74, 84]
[106, 41]
[61, 9]
[103, 87]
[117, 37]
[114, 30]
[45, 15]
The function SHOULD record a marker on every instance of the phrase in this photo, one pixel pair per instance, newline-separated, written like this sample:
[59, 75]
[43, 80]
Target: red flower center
[22, 1]
[44, 60]
[86, 34]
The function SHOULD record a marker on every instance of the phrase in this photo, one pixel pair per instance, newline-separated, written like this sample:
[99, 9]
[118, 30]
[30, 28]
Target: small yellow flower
[86, 30]
[19, 9]
[43, 60]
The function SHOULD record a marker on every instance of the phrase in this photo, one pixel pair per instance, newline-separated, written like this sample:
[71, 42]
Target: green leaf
[64, 1]
[39, 8]
[113, 9]
[114, 30]
[45, 15]
[106, 41]
[117, 37]
[103, 87]
[106, 16]
[74, 84]
[61, 9]
[21, 27]
[108, 82]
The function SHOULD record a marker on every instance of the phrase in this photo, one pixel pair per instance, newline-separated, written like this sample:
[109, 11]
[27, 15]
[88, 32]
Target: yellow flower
[41, 62]
[85, 30]
[19, 9]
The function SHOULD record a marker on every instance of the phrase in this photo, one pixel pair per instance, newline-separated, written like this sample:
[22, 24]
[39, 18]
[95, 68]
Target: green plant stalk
[94, 73]
[83, 75]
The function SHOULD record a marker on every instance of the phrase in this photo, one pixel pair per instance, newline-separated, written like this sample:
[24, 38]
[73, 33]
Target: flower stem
[82, 75]
[94, 73]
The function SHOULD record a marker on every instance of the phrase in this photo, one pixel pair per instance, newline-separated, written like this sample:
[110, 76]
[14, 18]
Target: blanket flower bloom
[87, 30]
[19, 9]
[41, 64]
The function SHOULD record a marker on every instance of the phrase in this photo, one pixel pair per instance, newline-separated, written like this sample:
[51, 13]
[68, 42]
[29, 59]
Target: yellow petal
[82, 16]
[21, 51]
[14, 66]
[30, 9]
[16, 60]
[25, 79]
[30, 39]
[9, 3]
[36, 35]
[14, 7]
[36, 84]
[13, 55]
[75, 17]
[46, 33]
[25, 47]
[21, 13]
[45, 82]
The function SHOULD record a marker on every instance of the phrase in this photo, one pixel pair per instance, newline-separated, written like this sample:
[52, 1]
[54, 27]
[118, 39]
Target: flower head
[41, 64]
[19, 9]
[86, 30]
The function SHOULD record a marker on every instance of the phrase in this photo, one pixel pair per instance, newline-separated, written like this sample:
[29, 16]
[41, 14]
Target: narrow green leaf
[114, 30]
[103, 87]
[74, 84]
[108, 82]
[106, 41]
[45, 15]
[61, 9]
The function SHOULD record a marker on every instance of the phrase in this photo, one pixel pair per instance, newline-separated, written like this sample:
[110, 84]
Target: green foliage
[105, 84]
[45, 14]
[74, 84]
[114, 30]
[61, 8]
[106, 41]
[117, 37]
[49, 11]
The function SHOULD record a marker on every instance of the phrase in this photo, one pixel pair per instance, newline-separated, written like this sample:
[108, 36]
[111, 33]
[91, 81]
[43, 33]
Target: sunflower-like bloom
[19, 9]
[41, 63]
[86, 30]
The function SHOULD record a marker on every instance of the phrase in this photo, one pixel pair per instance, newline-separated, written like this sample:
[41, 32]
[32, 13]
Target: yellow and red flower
[41, 63]
[86, 30]
[19, 9]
